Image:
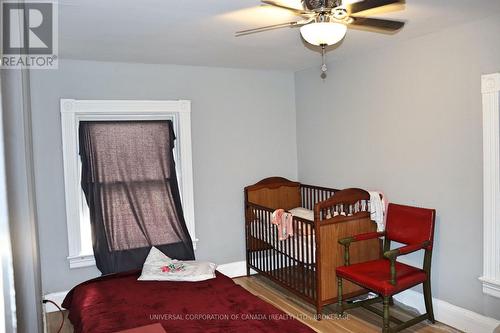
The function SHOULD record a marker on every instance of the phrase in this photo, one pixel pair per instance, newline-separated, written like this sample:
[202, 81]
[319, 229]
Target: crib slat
[311, 203]
[307, 198]
[302, 257]
[275, 257]
[287, 261]
[259, 228]
[290, 259]
[267, 230]
[280, 258]
[306, 259]
[267, 225]
[283, 261]
[262, 251]
[312, 260]
[264, 245]
[264, 238]
[294, 256]
[252, 232]
[297, 257]
[286, 257]
[273, 251]
[270, 239]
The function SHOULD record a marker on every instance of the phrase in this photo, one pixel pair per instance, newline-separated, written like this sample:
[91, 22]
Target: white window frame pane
[72, 112]
[491, 184]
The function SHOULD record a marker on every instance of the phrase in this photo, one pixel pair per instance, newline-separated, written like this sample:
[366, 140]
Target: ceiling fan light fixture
[323, 33]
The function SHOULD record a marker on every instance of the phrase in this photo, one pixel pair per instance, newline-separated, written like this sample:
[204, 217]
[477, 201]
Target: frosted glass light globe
[323, 33]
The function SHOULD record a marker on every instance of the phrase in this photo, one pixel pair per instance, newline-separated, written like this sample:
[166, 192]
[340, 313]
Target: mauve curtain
[130, 183]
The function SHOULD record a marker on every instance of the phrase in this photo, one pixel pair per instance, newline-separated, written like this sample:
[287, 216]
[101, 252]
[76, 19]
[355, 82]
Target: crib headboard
[274, 193]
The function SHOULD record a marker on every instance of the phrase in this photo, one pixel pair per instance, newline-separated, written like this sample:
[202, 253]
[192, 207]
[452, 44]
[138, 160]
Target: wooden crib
[305, 263]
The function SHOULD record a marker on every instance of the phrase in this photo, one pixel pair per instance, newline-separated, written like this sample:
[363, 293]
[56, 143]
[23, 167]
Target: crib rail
[290, 262]
[347, 203]
[311, 195]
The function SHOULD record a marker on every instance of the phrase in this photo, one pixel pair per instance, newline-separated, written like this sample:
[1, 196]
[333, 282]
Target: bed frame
[305, 263]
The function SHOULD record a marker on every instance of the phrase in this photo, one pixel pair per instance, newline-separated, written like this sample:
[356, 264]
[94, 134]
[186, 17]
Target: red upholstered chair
[386, 277]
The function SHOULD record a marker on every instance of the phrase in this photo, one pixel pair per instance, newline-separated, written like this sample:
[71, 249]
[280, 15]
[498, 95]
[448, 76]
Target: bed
[117, 302]
[305, 263]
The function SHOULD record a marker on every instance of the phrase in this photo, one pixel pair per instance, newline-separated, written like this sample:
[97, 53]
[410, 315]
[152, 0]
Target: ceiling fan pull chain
[324, 67]
[325, 22]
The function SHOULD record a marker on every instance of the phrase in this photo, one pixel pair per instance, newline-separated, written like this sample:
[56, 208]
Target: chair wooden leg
[386, 327]
[428, 301]
[340, 307]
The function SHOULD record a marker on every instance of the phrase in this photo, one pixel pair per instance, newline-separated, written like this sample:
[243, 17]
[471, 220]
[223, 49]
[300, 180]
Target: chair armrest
[348, 240]
[393, 254]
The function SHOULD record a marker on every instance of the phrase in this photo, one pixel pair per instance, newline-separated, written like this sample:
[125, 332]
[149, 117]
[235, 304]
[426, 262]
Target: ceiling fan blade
[377, 25]
[268, 27]
[370, 4]
[276, 4]
[395, 7]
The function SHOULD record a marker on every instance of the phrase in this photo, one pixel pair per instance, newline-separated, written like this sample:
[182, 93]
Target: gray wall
[243, 124]
[407, 120]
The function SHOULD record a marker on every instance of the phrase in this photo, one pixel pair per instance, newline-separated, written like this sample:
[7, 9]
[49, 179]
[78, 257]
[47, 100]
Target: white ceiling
[202, 32]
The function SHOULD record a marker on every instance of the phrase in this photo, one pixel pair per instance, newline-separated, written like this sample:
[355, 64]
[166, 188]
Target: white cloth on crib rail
[377, 209]
[303, 213]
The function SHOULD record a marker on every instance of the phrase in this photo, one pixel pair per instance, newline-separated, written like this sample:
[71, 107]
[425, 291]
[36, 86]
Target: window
[74, 111]
[491, 183]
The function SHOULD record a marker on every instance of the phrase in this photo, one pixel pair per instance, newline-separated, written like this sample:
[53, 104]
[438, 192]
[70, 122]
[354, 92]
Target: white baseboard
[57, 298]
[449, 314]
[446, 313]
[235, 269]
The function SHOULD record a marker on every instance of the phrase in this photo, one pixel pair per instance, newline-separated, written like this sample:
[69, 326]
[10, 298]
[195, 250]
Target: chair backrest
[410, 225]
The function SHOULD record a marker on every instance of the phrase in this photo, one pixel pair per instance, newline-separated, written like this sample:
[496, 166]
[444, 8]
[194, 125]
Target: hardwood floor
[357, 321]
[54, 321]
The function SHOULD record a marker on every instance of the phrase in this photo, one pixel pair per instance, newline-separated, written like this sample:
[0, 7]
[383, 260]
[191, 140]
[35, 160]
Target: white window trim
[491, 183]
[73, 111]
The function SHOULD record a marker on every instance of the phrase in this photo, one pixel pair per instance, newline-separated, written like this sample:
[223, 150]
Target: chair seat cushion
[376, 275]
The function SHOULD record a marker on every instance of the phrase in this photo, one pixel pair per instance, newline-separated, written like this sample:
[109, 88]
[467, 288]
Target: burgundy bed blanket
[118, 302]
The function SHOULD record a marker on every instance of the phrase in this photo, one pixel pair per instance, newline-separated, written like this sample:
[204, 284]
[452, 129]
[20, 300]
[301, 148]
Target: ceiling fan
[325, 22]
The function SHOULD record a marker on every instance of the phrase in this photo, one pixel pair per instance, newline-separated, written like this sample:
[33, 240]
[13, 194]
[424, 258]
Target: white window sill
[81, 261]
[490, 287]
[89, 260]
